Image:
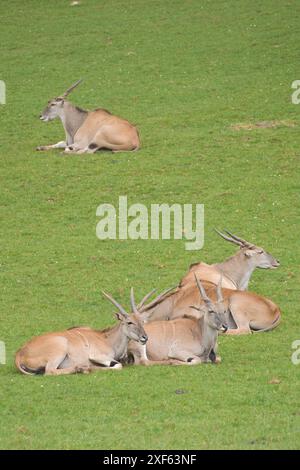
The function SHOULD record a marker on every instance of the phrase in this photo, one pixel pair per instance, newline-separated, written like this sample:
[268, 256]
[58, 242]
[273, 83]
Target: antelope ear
[119, 316]
[199, 312]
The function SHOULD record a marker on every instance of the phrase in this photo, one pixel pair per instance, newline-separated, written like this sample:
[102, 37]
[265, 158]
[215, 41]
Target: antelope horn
[219, 290]
[132, 301]
[202, 291]
[156, 300]
[71, 88]
[145, 299]
[245, 243]
[116, 304]
[230, 239]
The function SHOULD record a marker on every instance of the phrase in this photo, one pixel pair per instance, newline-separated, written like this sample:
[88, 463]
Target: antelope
[247, 312]
[81, 349]
[89, 131]
[236, 270]
[184, 341]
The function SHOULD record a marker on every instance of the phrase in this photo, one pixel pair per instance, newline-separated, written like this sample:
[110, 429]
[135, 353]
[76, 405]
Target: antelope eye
[129, 323]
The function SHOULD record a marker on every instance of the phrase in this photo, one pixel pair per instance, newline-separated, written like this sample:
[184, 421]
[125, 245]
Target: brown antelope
[81, 349]
[89, 131]
[184, 341]
[237, 269]
[248, 312]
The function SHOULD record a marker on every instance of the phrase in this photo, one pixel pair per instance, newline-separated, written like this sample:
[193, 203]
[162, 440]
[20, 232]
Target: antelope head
[215, 313]
[131, 323]
[259, 257]
[54, 107]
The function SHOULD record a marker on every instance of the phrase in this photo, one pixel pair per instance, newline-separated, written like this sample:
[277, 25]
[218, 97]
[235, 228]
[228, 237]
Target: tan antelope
[248, 312]
[81, 349]
[184, 341]
[237, 269]
[89, 131]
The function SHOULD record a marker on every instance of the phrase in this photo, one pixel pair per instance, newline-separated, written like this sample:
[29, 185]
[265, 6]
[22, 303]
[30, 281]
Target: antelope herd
[178, 327]
[247, 311]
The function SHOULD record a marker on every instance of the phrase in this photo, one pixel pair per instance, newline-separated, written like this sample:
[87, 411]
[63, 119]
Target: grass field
[186, 72]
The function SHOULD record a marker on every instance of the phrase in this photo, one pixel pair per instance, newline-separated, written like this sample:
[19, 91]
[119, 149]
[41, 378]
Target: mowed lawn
[186, 72]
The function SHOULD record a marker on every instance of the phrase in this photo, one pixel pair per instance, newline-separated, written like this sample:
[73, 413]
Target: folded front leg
[60, 145]
[186, 357]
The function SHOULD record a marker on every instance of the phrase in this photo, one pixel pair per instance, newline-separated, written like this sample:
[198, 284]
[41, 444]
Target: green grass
[184, 72]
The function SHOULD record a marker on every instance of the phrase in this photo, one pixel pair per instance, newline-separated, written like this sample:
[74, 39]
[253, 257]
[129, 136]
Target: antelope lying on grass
[81, 349]
[185, 341]
[236, 270]
[248, 312]
[89, 131]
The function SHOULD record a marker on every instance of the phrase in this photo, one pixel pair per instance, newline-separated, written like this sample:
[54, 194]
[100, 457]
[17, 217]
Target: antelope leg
[101, 140]
[59, 145]
[239, 316]
[213, 356]
[75, 148]
[66, 371]
[104, 362]
[186, 357]
[83, 150]
[116, 366]
[239, 331]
